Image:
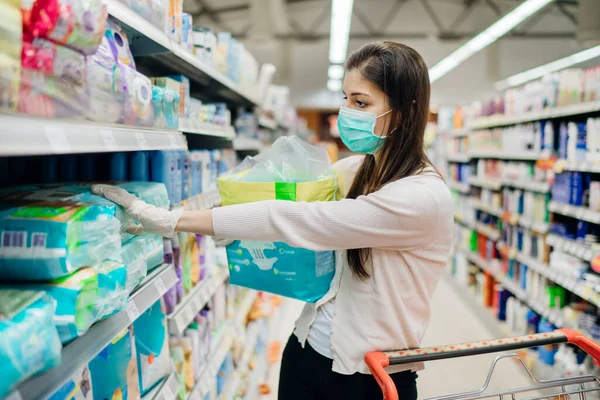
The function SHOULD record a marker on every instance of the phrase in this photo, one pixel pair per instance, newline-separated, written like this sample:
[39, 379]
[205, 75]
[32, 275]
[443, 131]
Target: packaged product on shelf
[292, 170]
[179, 285]
[186, 32]
[154, 250]
[224, 374]
[205, 43]
[166, 107]
[184, 94]
[186, 184]
[75, 297]
[175, 20]
[114, 369]
[77, 387]
[151, 346]
[185, 261]
[48, 240]
[10, 53]
[53, 59]
[166, 169]
[112, 289]
[178, 360]
[119, 42]
[29, 342]
[133, 255]
[77, 24]
[47, 96]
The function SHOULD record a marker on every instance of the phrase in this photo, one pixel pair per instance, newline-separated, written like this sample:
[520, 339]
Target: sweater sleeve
[400, 216]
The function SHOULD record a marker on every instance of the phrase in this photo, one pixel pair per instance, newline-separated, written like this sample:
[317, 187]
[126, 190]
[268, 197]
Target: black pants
[307, 375]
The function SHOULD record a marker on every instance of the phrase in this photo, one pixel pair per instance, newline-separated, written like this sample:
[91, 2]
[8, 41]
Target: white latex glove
[222, 242]
[151, 219]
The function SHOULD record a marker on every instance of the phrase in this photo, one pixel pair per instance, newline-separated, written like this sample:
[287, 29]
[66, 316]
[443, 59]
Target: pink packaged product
[53, 60]
[78, 24]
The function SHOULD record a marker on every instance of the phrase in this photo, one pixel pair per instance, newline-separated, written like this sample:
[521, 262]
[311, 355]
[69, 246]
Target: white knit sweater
[408, 226]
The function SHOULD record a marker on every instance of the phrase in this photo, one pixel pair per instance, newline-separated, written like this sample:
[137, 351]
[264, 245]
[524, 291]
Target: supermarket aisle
[452, 322]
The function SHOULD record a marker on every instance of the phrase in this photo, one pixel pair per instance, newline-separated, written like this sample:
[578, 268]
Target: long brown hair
[400, 72]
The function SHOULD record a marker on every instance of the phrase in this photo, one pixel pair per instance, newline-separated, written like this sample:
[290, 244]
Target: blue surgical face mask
[357, 130]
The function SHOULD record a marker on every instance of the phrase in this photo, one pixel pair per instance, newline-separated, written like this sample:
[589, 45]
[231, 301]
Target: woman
[392, 233]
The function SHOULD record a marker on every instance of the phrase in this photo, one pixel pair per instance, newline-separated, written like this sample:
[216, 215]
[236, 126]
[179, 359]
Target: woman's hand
[151, 219]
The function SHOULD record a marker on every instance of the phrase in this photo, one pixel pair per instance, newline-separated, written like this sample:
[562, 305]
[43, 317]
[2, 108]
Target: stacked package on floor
[29, 342]
[57, 35]
[290, 170]
[10, 53]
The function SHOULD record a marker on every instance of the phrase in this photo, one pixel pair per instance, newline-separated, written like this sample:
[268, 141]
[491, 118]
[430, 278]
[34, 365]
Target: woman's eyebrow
[359, 94]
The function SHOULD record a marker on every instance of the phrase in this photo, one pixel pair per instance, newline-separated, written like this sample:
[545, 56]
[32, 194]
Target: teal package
[133, 255]
[110, 370]
[29, 342]
[155, 251]
[151, 346]
[46, 240]
[112, 289]
[281, 269]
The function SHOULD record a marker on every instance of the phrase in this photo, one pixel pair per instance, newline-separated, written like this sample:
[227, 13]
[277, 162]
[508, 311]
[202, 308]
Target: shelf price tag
[141, 141]
[57, 139]
[109, 139]
[132, 311]
[173, 142]
[160, 286]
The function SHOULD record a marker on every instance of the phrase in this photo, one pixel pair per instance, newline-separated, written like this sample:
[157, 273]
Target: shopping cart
[576, 387]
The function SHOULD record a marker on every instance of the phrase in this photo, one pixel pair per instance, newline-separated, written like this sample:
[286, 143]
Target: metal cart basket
[576, 387]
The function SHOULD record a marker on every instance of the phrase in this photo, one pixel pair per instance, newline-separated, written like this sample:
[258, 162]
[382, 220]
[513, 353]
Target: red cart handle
[377, 361]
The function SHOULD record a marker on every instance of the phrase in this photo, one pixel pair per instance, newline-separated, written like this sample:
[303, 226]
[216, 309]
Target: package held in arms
[290, 170]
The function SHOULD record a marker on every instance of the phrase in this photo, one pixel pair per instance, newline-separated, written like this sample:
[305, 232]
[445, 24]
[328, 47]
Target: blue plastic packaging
[281, 269]
[118, 167]
[185, 175]
[164, 167]
[139, 166]
[68, 168]
[49, 169]
[29, 342]
[87, 166]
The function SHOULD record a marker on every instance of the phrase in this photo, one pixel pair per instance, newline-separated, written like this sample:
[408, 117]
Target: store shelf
[203, 128]
[489, 209]
[539, 227]
[83, 349]
[505, 155]
[245, 144]
[578, 212]
[166, 390]
[539, 187]
[462, 187]
[268, 123]
[571, 247]
[460, 132]
[147, 40]
[459, 219]
[194, 301]
[558, 112]
[492, 184]
[580, 166]
[458, 158]
[23, 135]
[491, 233]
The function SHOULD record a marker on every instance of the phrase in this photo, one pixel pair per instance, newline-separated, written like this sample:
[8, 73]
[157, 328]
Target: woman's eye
[360, 104]
[345, 97]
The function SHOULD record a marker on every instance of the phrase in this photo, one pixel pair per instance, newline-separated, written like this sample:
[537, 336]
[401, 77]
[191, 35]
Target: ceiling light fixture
[334, 85]
[542, 70]
[339, 33]
[335, 72]
[485, 38]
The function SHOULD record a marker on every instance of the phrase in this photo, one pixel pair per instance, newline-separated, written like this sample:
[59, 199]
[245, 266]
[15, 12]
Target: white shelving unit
[459, 157]
[246, 144]
[489, 209]
[558, 112]
[203, 128]
[491, 233]
[568, 210]
[486, 183]
[571, 247]
[83, 349]
[504, 155]
[462, 187]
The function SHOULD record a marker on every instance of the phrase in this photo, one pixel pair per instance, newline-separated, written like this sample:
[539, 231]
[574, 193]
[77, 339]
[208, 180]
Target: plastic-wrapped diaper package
[114, 369]
[133, 255]
[29, 343]
[51, 97]
[166, 107]
[52, 59]
[75, 297]
[112, 289]
[119, 42]
[78, 24]
[77, 387]
[290, 170]
[10, 53]
[44, 240]
[137, 108]
[152, 346]
[154, 250]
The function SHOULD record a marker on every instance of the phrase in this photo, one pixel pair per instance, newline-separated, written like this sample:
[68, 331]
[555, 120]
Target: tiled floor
[452, 322]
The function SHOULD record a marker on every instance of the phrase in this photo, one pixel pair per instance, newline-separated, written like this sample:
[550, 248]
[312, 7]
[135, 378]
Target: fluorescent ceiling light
[543, 70]
[341, 18]
[335, 72]
[485, 38]
[334, 85]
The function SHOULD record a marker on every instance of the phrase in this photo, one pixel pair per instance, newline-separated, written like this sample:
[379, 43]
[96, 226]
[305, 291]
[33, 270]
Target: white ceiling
[293, 35]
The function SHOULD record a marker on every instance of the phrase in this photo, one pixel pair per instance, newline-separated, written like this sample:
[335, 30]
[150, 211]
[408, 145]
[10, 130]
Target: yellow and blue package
[50, 239]
[114, 370]
[29, 343]
[152, 346]
[75, 297]
[78, 387]
[112, 289]
[290, 170]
